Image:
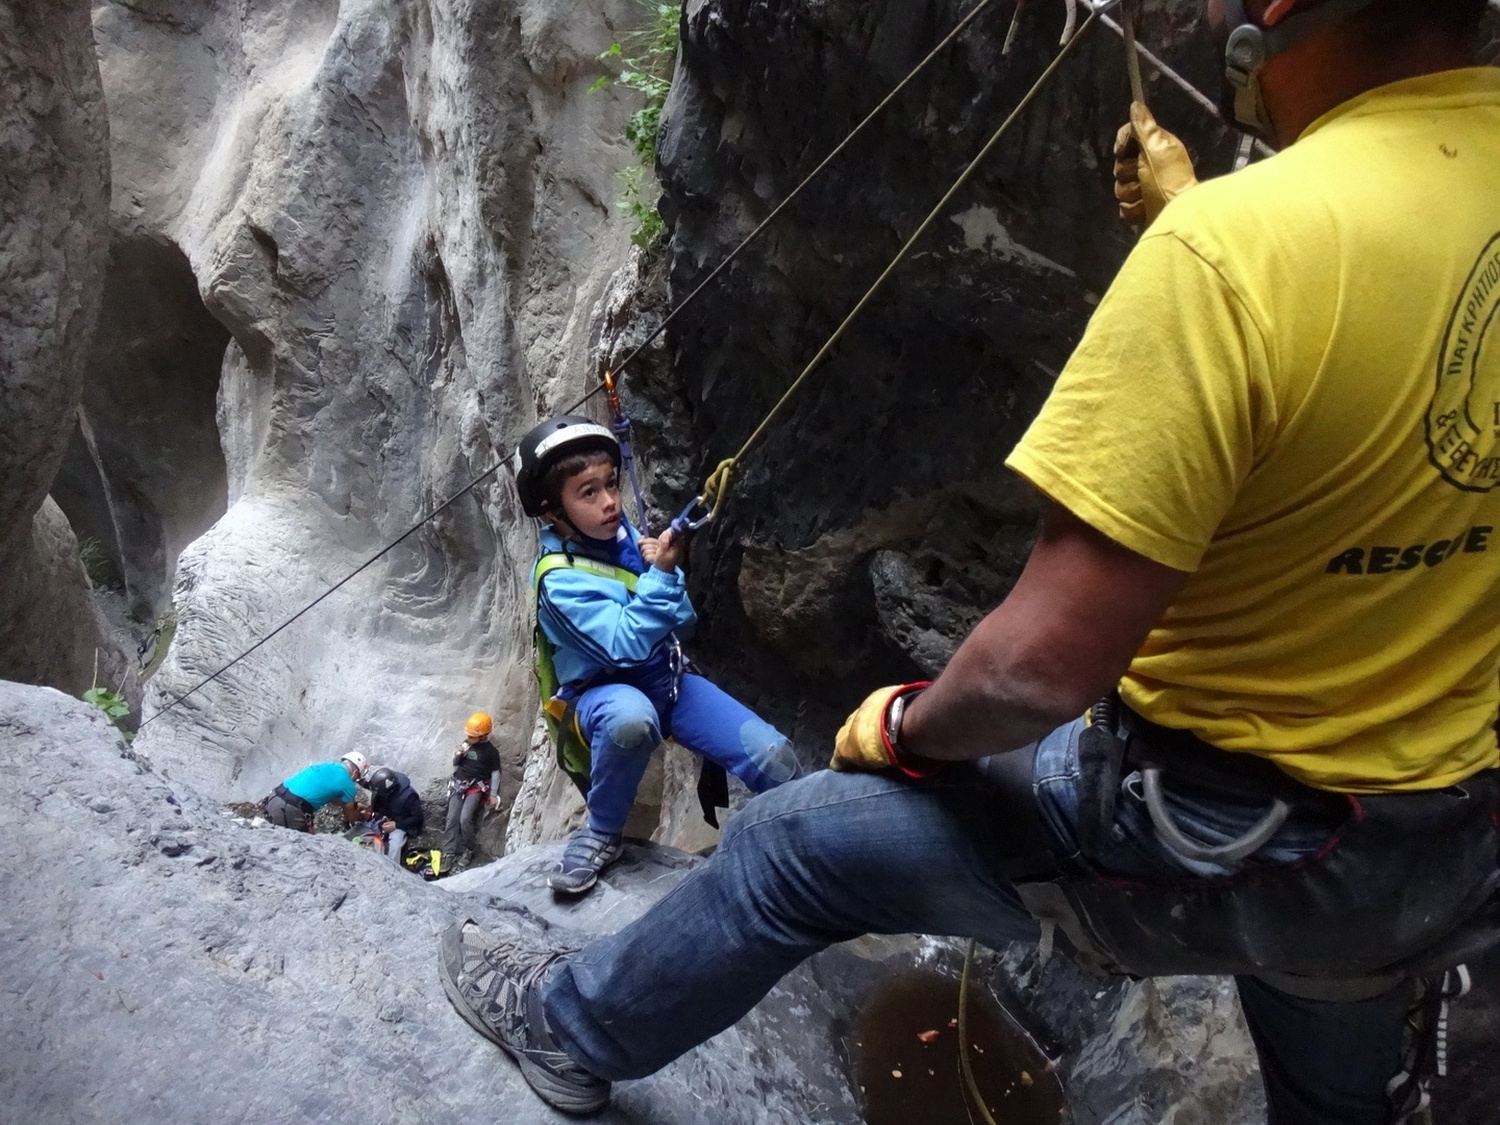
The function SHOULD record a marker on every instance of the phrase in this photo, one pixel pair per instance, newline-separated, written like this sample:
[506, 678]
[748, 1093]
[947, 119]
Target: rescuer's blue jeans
[624, 724]
[836, 855]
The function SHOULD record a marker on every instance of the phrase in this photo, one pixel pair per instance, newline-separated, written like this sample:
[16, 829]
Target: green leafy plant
[112, 703]
[97, 564]
[645, 59]
[649, 227]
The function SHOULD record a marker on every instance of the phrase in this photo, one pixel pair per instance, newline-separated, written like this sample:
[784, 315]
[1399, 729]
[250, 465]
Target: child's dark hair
[567, 468]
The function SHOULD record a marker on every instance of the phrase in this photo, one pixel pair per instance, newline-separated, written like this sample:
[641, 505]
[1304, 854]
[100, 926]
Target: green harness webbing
[573, 755]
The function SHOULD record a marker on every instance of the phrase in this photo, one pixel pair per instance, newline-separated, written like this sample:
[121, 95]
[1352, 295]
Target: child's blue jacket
[599, 629]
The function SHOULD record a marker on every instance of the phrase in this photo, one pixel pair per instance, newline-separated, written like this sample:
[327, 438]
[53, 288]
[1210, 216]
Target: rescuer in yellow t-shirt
[1272, 461]
[1281, 399]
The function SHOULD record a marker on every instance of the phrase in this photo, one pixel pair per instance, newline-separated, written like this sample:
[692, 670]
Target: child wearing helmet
[613, 605]
[475, 785]
[393, 798]
[294, 802]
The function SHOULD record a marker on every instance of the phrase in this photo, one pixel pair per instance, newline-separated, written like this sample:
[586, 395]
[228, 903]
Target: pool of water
[907, 1058]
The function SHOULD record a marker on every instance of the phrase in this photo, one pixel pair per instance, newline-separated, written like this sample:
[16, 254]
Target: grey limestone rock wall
[163, 959]
[145, 474]
[54, 195]
[56, 635]
[178, 964]
[355, 251]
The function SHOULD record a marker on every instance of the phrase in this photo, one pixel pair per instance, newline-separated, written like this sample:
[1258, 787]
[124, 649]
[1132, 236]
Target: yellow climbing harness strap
[574, 757]
[716, 487]
[558, 560]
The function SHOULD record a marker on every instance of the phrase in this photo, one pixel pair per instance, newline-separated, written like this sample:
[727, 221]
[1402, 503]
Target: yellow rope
[809, 178]
[963, 1030]
[717, 485]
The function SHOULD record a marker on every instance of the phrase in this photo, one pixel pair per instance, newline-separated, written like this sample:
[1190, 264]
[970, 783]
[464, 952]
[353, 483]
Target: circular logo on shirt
[1463, 422]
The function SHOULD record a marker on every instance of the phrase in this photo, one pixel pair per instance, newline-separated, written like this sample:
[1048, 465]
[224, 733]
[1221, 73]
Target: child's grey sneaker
[588, 853]
[493, 982]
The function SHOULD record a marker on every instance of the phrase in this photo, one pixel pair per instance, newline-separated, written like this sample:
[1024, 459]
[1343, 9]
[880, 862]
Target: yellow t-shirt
[1292, 391]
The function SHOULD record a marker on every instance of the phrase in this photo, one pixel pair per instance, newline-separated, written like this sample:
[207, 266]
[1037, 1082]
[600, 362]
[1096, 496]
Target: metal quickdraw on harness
[466, 787]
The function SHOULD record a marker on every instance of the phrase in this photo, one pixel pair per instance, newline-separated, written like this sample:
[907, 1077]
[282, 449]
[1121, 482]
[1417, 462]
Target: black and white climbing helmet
[547, 443]
[382, 780]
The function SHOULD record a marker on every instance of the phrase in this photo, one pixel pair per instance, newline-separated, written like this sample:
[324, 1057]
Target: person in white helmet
[295, 802]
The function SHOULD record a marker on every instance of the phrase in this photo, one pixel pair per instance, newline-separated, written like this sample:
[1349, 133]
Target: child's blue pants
[624, 724]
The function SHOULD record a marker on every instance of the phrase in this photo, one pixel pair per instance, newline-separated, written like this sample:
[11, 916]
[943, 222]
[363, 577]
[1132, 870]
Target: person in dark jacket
[392, 797]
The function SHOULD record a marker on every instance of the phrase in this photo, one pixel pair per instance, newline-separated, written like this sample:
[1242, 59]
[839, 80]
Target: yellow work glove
[1152, 167]
[862, 743]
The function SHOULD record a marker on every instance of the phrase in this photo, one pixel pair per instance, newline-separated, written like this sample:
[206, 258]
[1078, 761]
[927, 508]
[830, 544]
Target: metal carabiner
[1229, 853]
[684, 521]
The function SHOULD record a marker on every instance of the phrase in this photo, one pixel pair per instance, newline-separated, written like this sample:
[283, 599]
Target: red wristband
[912, 765]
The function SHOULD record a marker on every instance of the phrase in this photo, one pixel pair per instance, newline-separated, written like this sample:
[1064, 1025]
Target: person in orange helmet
[475, 785]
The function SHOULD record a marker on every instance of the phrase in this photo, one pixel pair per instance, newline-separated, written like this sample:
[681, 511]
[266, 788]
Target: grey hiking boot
[588, 853]
[493, 982]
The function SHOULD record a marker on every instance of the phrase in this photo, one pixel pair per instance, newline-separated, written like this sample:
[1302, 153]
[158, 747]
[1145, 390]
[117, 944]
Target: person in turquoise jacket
[294, 803]
[619, 657]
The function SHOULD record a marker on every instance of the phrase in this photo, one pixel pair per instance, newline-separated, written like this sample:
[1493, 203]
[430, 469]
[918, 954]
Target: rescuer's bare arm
[1060, 641]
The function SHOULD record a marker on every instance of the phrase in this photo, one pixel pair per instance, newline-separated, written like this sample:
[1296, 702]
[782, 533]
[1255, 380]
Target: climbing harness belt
[574, 757]
[1404, 915]
[705, 507]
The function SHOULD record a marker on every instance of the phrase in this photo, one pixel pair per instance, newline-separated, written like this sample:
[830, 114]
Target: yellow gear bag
[574, 757]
